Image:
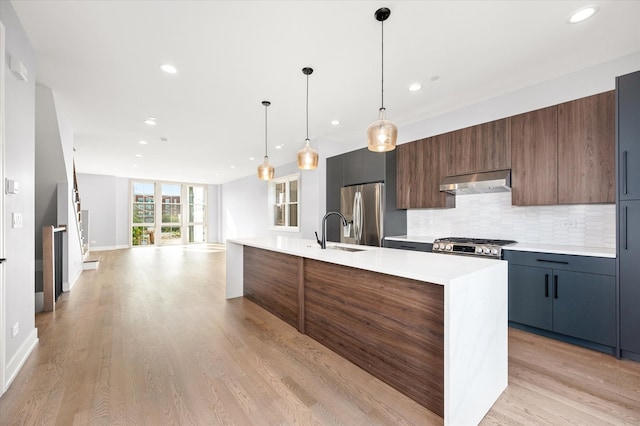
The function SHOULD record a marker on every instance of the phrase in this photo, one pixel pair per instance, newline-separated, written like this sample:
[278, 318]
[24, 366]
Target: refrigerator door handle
[359, 217]
[355, 215]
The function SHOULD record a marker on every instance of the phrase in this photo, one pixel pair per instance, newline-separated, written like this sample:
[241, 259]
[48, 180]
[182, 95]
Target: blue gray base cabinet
[571, 298]
[628, 211]
[629, 276]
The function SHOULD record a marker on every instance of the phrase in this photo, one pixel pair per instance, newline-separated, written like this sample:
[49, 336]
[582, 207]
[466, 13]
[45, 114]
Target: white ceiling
[102, 59]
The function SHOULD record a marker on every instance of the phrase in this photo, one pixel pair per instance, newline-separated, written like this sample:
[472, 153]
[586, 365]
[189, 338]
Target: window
[284, 200]
[171, 229]
[167, 213]
[143, 214]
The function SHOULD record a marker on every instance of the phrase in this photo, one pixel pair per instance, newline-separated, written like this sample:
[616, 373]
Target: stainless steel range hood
[478, 183]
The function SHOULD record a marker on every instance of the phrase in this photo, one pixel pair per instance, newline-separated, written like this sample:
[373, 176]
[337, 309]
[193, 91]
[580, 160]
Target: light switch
[16, 220]
[11, 186]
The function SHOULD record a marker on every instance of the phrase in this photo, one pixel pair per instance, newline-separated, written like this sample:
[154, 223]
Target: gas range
[471, 246]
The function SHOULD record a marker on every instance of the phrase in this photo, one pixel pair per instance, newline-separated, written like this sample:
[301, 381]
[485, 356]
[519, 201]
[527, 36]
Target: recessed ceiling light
[582, 14]
[415, 87]
[251, 158]
[143, 142]
[168, 68]
[335, 122]
[138, 155]
[279, 146]
[233, 167]
[151, 121]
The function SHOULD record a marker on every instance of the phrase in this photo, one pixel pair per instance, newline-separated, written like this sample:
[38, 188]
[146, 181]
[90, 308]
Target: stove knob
[494, 251]
[479, 250]
[449, 247]
[486, 250]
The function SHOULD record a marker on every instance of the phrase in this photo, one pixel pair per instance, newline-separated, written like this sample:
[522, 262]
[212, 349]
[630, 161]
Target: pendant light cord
[307, 106]
[382, 80]
[265, 130]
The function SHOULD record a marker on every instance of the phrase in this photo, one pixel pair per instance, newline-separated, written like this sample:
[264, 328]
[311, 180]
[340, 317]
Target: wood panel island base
[432, 326]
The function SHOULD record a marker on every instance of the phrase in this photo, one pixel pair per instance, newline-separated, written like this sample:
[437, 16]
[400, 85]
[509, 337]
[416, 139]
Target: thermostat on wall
[11, 186]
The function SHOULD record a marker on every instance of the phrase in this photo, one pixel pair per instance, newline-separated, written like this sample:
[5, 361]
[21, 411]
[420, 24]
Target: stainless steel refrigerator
[364, 205]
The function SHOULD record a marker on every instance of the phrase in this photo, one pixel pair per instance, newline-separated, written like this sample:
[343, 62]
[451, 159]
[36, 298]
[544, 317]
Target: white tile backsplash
[493, 216]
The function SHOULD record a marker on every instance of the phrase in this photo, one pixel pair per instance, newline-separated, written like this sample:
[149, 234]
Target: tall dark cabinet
[628, 211]
[359, 167]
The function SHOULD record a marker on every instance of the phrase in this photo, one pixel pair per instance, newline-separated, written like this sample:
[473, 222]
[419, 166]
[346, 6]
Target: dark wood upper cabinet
[586, 150]
[493, 151]
[464, 143]
[481, 148]
[565, 154]
[422, 165]
[534, 157]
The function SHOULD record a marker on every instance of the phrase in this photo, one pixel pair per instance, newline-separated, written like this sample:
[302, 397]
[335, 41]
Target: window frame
[158, 224]
[271, 203]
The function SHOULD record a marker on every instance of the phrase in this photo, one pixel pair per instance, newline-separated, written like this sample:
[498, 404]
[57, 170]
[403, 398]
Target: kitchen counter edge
[533, 247]
[421, 266]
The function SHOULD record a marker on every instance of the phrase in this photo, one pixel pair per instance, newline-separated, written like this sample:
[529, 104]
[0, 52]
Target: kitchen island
[432, 326]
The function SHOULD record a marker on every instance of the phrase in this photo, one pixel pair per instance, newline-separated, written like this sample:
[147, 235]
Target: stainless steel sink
[344, 248]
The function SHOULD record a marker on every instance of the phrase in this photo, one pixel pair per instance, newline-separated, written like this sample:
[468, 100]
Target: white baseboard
[18, 360]
[108, 248]
[74, 279]
[39, 301]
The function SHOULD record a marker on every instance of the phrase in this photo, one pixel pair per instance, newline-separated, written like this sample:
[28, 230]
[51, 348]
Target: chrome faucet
[323, 243]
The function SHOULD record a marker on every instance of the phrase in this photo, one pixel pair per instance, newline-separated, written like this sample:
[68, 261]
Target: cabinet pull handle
[624, 172]
[555, 286]
[553, 261]
[546, 285]
[624, 234]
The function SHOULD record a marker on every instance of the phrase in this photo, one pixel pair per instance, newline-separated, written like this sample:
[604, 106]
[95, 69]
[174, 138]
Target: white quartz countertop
[430, 267]
[542, 248]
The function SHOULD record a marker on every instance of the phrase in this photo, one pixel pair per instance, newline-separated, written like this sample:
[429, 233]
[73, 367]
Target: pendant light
[265, 170]
[307, 156]
[382, 134]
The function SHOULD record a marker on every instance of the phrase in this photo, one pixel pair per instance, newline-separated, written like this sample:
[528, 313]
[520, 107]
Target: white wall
[107, 200]
[54, 188]
[214, 223]
[245, 209]
[19, 304]
[49, 166]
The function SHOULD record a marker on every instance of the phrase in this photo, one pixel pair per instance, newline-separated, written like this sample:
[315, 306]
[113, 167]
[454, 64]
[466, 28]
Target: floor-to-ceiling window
[168, 213]
[143, 213]
[171, 227]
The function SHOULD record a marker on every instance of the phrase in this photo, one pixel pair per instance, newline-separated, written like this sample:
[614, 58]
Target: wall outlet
[569, 223]
[16, 220]
[15, 329]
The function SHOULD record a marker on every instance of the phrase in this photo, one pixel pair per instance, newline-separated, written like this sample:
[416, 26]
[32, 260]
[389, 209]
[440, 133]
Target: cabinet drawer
[408, 245]
[565, 262]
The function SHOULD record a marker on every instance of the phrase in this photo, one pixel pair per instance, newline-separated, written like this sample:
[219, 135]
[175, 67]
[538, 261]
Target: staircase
[82, 218]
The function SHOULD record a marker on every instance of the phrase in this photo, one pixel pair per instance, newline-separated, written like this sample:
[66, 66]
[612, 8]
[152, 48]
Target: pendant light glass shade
[382, 134]
[265, 170]
[307, 156]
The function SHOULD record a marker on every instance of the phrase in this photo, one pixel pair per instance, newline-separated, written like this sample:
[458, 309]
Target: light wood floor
[149, 338]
